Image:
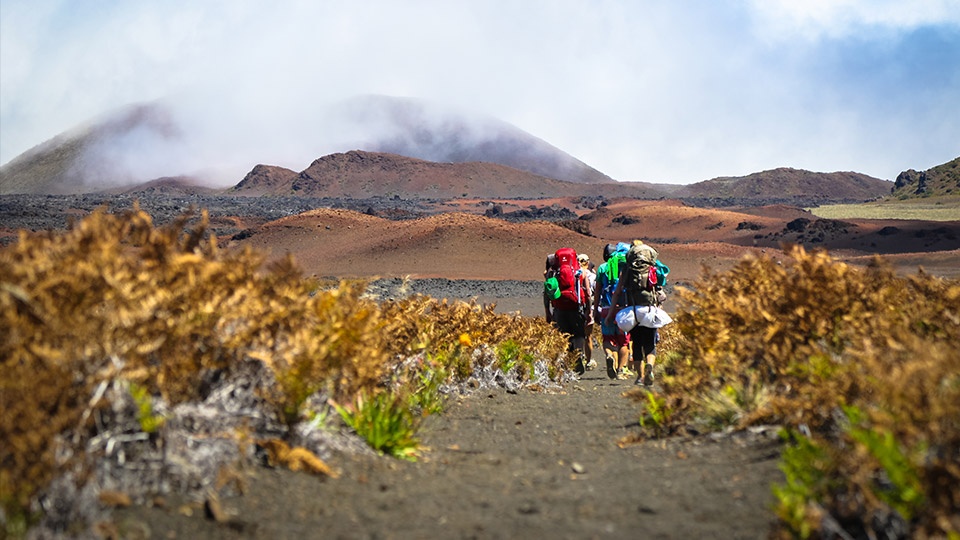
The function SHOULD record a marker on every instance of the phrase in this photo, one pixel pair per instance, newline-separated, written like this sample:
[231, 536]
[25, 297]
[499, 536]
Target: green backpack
[551, 288]
[616, 262]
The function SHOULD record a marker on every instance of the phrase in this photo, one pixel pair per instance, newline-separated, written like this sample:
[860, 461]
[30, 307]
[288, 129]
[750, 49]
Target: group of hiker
[623, 295]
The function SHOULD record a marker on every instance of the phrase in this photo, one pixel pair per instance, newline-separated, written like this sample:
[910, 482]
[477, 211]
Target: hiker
[585, 268]
[639, 289]
[548, 272]
[615, 342]
[570, 301]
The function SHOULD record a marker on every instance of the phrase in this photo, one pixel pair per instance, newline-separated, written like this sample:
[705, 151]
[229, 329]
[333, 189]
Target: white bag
[648, 316]
[626, 319]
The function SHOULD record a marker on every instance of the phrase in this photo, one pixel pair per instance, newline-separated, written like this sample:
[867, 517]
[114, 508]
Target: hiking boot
[611, 372]
[648, 375]
[592, 364]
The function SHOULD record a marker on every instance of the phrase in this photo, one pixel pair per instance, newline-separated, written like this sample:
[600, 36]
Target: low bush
[165, 312]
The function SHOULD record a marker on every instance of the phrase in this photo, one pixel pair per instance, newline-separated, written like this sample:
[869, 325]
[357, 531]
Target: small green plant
[385, 422]
[508, 353]
[656, 414]
[807, 467]
[719, 408]
[149, 422]
[734, 402]
[453, 361]
[320, 419]
[426, 395]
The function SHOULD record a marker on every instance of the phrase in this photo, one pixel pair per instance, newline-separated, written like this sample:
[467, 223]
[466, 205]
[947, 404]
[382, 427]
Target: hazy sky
[661, 91]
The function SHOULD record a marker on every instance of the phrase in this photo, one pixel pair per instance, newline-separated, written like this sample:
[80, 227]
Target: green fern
[807, 467]
[386, 423]
[904, 491]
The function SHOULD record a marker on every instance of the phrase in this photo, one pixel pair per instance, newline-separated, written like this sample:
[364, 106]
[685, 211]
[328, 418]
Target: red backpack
[572, 292]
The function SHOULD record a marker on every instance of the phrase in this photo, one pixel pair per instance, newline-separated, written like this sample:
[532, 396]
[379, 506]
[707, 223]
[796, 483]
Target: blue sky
[659, 91]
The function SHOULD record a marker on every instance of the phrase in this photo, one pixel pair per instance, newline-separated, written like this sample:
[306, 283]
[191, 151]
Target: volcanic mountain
[418, 129]
[147, 141]
[90, 157]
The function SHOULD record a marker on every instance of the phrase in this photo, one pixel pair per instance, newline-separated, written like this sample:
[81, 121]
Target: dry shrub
[862, 359]
[115, 297]
[420, 323]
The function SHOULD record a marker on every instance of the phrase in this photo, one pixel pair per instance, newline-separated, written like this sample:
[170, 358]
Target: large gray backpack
[640, 275]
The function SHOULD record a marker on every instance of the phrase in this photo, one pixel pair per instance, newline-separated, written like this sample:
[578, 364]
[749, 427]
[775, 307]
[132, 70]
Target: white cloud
[814, 19]
[673, 92]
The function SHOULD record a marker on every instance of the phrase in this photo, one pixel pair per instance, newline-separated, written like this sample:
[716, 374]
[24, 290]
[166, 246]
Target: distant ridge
[786, 184]
[360, 174]
[178, 186]
[941, 180]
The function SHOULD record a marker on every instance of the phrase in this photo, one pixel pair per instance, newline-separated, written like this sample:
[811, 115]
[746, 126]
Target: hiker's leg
[623, 357]
[649, 354]
[644, 347]
[636, 342]
[588, 344]
[610, 349]
[617, 353]
[576, 346]
[623, 350]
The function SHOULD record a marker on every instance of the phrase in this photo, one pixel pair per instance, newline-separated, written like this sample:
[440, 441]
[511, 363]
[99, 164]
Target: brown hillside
[330, 242]
[266, 180]
[671, 222]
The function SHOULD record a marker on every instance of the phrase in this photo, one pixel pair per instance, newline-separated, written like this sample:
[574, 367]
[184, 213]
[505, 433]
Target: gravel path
[504, 465]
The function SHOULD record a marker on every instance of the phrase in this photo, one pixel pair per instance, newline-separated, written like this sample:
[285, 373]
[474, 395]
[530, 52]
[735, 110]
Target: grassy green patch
[930, 209]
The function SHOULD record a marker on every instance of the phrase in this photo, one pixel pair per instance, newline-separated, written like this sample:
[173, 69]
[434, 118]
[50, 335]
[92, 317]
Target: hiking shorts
[617, 340]
[570, 321]
[644, 342]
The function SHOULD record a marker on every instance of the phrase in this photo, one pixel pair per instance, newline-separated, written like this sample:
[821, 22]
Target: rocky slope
[942, 180]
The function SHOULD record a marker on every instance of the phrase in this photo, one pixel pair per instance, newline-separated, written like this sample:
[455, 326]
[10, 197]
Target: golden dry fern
[114, 297]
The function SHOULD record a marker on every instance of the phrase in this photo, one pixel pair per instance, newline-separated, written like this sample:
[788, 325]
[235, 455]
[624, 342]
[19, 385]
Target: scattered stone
[213, 510]
[528, 509]
[114, 499]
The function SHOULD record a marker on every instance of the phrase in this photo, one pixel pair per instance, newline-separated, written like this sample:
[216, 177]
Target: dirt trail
[503, 465]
